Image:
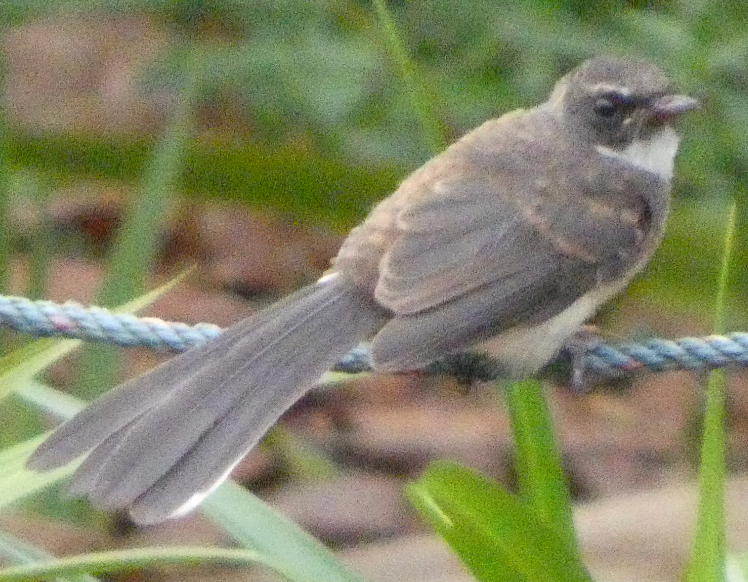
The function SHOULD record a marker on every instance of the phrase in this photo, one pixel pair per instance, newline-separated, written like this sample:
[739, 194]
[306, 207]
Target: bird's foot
[577, 347]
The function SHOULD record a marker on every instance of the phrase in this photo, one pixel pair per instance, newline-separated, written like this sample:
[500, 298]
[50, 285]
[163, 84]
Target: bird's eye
[605, 108]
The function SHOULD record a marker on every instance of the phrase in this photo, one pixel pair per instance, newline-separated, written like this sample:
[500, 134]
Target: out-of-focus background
[246, 138]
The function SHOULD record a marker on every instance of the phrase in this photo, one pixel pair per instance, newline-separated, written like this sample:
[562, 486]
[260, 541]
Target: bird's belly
[523, 350]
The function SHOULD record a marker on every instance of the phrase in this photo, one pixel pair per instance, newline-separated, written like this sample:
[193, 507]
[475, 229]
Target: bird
[506, 244]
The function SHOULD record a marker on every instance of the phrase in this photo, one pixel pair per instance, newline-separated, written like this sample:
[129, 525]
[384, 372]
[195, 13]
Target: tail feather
[118, 408]
[202, 412]
[89, 472]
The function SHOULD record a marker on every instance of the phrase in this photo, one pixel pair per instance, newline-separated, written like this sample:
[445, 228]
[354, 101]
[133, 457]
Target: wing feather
[475, 257]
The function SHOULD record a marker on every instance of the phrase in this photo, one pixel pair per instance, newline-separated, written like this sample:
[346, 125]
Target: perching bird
[507, 242]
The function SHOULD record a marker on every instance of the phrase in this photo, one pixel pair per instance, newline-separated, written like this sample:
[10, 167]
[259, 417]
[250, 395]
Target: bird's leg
[577, 347]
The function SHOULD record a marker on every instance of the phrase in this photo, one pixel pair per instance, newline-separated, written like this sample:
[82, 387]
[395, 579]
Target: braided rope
[72, 320]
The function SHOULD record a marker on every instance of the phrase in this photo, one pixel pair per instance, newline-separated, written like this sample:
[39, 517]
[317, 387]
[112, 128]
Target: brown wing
[472, 259]
[449, 243]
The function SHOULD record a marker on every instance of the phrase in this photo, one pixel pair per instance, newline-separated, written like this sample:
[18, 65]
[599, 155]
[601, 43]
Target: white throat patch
[656, 154]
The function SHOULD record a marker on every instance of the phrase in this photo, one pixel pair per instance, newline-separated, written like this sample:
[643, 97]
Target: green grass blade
[128, 560]
[306, 462]
[424, 100]
[498, 536]
[707, 562]
[17, 551]
[737, 568]
[60, 405]
[539, 469]
[255, 525]
[40, 239]
[24, 363]
[136, 245]
[18, 483]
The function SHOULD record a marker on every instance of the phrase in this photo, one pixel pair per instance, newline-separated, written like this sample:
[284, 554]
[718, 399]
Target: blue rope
[72, 320]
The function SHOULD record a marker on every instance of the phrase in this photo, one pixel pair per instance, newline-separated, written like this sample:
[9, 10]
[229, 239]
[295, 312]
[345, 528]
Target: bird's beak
[670, 106]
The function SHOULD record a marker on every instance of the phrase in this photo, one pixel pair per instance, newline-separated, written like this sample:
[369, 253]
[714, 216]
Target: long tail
[161, 442]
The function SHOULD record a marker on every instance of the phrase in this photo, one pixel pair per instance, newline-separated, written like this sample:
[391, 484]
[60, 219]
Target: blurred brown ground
[630, 455]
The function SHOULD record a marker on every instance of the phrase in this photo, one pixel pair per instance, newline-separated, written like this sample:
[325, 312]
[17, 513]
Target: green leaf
[24, 363]
[17, 482]
[53, 402]
[19, 552]
[539, 468]
[707, 563]
[255, 525]
[303, 460]
[127, 560]
[497, 535]
[137, 241]
[6, 200]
